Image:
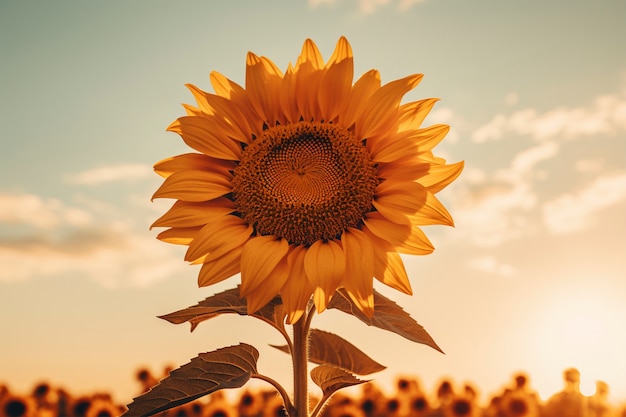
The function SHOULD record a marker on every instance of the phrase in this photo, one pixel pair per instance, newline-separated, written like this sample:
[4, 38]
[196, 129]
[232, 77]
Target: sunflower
[518, 404]
[17, 406]
[104, 408]
[304, 182]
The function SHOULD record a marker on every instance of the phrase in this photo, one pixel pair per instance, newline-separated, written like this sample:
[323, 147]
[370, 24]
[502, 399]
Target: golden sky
[533, 276]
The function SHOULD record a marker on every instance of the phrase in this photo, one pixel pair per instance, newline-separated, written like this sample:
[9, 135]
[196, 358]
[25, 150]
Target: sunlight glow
[573, 328]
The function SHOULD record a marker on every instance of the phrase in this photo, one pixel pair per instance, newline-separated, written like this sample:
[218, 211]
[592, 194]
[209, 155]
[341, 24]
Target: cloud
[316, 3]
[407, 4]
[370, 6]
[39, 212]
[524, 162]
[511, 99]
[490, 265]
[111, 256]
[501, 204]
[492, 213]
[605, 115]
[589, 165]
[112, 173]
[494, 208]
[44, 237]
[574, 212]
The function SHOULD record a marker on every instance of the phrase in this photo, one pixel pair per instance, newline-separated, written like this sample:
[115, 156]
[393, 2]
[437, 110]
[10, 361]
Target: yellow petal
[410, 203]
[263, 81]
[401, 143]
[428, 137]
[337, 81]
[334, 89]
[359, 255]
[432, 212]
[258, 298]
[288, 102]
[309, 70]
[224, 112]
[416, 244]
[388, 266]
[226, 88]
[217, 238]
[201, 98]
[179, 235]
[220, 268]
[342, 51]
[394, 275]
[427, 156]
[439, 176]
[186, 214]
[190, 162]
[396, 200]
[297, 290]
[260, 256]
[310, 54]
[324, 265]
[307, 84]
[362, 90]
[381, 109]
[413, 114]
[194, 186]
[206, 137]
[409, 168]
[192, 111]
[405, 238]
[237, 94]
[394, 147]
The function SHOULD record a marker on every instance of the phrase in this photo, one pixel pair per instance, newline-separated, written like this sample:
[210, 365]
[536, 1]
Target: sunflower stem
[288, 405]
[300, 364]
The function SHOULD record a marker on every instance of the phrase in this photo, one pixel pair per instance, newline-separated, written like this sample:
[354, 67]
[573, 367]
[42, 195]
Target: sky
[531, 278]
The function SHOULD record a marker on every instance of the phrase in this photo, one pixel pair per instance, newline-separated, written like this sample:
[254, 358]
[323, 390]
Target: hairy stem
[288, 405]
[300, 357]
[319, 405]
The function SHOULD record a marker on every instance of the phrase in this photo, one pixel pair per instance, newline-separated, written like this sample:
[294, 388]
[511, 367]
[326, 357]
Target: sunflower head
[461, 406]
[305, 182]
[420, 405]
[16, 406]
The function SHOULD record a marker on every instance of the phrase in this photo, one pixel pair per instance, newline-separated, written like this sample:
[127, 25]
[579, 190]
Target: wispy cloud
[496, 208]
[114, 258]
[490, 265]
[39, 212]
[112, 173]
[504, 202]
[370, 6]
[574, 212]
[605, 115]
[44, 237]
[511, 99]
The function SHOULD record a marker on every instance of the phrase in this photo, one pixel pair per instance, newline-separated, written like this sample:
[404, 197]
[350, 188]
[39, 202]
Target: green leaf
[328, 348]
[331, 379]
[387, 316]
[229, 367]
[228, 302]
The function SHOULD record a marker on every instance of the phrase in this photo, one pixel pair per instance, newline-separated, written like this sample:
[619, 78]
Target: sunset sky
[532, 278]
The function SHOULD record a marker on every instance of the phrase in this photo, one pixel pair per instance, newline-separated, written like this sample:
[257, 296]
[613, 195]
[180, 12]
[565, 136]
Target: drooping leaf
[228, 302]
[229, 367]
[328, 348]
[387, 316]
[331, 379]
